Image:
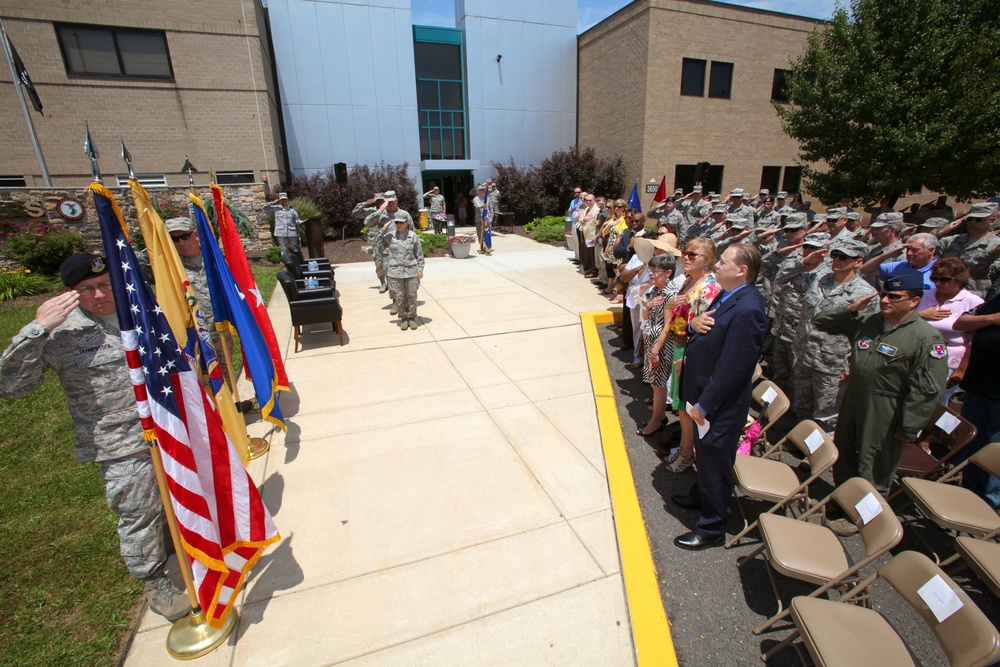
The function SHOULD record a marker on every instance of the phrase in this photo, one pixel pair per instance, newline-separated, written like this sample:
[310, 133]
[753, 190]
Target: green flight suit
[896, 379]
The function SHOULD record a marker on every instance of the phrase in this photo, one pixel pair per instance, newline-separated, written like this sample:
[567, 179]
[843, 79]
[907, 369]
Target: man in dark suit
[724, 347]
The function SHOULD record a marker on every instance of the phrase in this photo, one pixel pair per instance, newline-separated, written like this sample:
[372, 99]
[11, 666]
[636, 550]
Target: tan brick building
[671, 83]
[173, 77]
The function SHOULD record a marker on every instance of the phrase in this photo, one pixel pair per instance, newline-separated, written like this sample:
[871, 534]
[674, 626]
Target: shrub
[336, 202]
[429, 242]
[548, 189]
[41, 248]
[550, 229]
[22, 282]
[273, 254]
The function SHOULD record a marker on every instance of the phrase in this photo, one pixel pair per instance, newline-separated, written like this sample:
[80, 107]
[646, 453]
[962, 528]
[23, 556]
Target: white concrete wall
[524, 106]
[347, 82]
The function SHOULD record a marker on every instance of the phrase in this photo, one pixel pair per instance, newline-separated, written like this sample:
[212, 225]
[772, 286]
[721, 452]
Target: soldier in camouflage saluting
[76, 335]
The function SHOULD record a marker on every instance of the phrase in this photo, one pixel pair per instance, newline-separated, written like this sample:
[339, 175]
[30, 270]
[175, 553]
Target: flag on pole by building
[661, 192]
[180, 307]
[229, 303]
[487, 223]
[223, 523]
[240, 268]
[22, 74]
[633, 199]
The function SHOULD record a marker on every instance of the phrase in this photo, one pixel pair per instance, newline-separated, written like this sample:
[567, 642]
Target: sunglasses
[182, 237]
[941, 279]
[691, 255]
[893, 297]
[839, 255]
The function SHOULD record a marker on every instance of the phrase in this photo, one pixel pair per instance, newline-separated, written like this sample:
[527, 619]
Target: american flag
[223, 523]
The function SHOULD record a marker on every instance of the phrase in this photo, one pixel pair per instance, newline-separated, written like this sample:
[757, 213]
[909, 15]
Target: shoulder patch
[864, 343]
[938, 351]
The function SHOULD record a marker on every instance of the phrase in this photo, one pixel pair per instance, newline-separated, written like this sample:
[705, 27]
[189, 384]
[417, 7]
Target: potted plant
[460, 245]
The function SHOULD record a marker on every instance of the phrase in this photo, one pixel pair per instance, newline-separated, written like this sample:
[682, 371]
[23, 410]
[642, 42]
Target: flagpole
[15, 79]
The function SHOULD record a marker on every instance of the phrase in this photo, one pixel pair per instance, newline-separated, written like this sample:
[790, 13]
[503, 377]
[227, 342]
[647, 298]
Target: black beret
[903, 279]
[81, 266]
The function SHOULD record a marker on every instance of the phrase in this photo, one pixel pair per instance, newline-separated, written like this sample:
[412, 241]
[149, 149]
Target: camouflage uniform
[877, 250]
[87, 354]
[374, 222]
[821, 358]
[784, 307]
[403, 261]
[362, 210]
[978, 255]
[691, 214]
[381, 244]
[286, 227]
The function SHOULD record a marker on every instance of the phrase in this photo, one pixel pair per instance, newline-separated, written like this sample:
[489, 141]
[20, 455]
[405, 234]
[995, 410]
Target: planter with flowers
[460, 245]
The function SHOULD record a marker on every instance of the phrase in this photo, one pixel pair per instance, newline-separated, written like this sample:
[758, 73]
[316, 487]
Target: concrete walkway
[442, 493]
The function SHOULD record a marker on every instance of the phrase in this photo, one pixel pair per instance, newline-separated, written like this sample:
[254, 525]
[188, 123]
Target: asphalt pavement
[712, 605]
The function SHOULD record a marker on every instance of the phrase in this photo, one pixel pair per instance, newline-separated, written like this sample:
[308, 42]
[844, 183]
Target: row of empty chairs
[311, 304]
[835, 633]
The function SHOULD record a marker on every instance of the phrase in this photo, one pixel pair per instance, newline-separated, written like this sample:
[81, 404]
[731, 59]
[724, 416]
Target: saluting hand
[815, 258]
[54, 312]
[862, 302]
[788, 249]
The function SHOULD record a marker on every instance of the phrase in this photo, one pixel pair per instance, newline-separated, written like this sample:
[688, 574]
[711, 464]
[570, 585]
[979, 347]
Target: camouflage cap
[835, 212]
[736, 192]
[817, 239]
[389, 195]
[796, 221]
[714, 198]
[884, 219]
[719, 209]
[786, 210]
[934, 223]
[738, 222]
[851, 248]
[985, 210]
[81, 266]
[852, 215]
[179, 225]
[782, 195]
[678, 191]
[697, 188]
[765, 191]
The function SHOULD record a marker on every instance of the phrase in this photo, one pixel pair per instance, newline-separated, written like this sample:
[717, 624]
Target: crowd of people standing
[873, 316]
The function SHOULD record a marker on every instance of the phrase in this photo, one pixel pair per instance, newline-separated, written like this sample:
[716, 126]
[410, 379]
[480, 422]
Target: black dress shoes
[696, 542]
[685, 501]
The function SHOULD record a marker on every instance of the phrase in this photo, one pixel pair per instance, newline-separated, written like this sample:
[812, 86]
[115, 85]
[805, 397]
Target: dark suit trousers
[714, 488]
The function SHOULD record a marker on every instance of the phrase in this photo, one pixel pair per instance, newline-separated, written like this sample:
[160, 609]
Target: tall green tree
[892, 94]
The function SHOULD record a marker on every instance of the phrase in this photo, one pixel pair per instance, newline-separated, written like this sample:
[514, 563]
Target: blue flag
[487, 224]
[232, 311]
[633, 199]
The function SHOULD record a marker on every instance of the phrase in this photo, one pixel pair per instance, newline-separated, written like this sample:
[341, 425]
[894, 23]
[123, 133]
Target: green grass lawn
[65, 595]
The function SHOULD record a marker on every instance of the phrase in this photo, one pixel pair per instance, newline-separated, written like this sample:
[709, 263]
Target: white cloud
[433, 12]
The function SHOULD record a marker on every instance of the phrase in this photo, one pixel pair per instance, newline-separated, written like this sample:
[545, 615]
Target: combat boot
[166, 599]
[383, 288]
[393, 310]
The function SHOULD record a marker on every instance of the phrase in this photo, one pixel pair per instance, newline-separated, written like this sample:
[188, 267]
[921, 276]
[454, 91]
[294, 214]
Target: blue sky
[589, 12]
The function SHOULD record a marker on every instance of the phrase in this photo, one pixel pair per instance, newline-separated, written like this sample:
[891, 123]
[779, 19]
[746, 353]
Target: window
[778, 86]
[101, 51]
[693, 77]
[233, 177]
[769, 178]
[440, 100]
[145, 180]
[711, 182]
[12, 182]
[720, 82]
[792, 180]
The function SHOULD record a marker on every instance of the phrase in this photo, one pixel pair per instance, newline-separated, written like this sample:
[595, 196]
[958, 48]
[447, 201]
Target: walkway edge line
[650, 628]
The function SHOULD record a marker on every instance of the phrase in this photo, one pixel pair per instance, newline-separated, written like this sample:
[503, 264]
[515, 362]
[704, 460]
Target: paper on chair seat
[814, 440]
[947, 422]
[769, 395]
[869, 508]
[940, 598]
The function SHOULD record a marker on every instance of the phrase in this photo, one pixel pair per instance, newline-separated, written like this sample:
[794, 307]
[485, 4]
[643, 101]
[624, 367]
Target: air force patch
[864, 343]
[938, 351]
[887, 350]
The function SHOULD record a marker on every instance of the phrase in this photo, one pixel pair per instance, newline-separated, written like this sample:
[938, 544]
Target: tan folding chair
[813, 553]
[758, 372]
[947, 427]
[837, 634]
[982, 557]
[768, 480]
[773, 404]
[956, 508]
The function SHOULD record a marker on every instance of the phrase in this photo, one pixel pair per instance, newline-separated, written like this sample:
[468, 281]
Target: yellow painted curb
[650, 628]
